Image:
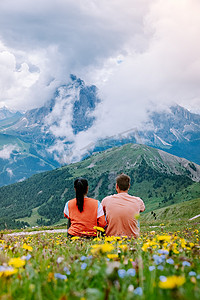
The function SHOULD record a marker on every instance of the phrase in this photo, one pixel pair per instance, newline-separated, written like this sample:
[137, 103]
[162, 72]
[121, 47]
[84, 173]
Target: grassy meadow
[163, 263]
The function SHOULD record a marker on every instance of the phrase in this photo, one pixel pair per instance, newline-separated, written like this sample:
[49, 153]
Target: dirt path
[36, 232]
[195, 217]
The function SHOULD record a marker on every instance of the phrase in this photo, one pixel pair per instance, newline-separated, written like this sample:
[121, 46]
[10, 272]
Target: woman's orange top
[83, 223]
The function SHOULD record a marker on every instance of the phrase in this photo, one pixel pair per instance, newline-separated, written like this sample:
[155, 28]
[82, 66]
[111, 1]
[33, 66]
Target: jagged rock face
[176, 131]
[69, 112]
[79, 99]
[177, 126]
[65, 115]
[5, 113]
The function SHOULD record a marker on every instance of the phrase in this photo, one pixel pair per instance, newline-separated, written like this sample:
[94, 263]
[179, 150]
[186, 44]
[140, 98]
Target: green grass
[158, 189]
[60, 268]
[32, 220]
[176, 212]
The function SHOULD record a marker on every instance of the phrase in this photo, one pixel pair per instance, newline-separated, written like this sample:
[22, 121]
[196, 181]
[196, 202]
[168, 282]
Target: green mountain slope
[176, 212]
[159, 178]
[19, 160]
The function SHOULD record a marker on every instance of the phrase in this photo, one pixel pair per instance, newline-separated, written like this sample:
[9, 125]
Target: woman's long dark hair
[80, 186]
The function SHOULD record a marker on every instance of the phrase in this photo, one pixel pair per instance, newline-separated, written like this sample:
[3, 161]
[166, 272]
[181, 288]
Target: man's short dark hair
[123, 182]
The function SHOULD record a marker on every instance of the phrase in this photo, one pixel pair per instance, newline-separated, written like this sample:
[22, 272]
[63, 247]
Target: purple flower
[138, 291]
[60, 276]
[161, 268]
[83, 266]
[122, 273]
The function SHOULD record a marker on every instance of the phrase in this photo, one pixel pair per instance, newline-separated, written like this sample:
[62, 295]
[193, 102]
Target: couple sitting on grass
[117, 213]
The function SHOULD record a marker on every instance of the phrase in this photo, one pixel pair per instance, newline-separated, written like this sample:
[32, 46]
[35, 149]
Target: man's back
[121, 210]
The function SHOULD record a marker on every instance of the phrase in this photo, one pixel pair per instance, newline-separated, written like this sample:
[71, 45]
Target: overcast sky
[141, 54]
[136, 51]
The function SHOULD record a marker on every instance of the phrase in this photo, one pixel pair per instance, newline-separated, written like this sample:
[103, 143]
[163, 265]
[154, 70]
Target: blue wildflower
[162, 251]
[158, 259]
[170, 261]
[161, 268]
[67, 271]
[83, 266]
[60, 276]
[131, 272]
[138, 291]
[83, 258]
[27, 257]
[163, 278]
[198, 276]
[186, 264]
[122, 273]
[151, 268]
[192, 273]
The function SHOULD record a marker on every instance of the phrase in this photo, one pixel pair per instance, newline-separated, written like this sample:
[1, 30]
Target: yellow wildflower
[16, 262]
[152, 232]
[109, 239]
[27, 247]
[97, 239]
[99, 228]
[123, 247]
[102, 248]
[165, 238]
[112, 256]
[75, 238]
[172, 282]
[8, 272]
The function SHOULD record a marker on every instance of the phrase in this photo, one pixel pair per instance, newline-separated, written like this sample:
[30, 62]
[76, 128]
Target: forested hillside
[160, 179]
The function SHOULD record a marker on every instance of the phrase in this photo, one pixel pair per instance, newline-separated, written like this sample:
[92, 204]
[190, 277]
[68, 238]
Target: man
[122, 209]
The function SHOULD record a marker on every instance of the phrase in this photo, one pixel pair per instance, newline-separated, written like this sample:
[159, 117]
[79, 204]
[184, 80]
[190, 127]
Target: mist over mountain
[65, 130]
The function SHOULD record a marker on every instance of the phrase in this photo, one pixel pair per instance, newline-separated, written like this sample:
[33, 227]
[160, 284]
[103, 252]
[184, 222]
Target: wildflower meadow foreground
[161, 264]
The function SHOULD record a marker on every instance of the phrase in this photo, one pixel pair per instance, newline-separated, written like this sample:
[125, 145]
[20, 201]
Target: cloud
[143, 55]
[56, 38]
[168, 71]
[10, 172]
[7, 150]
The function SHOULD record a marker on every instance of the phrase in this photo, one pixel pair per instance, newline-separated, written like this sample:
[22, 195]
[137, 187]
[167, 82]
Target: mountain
[29, 137]
[42, 139]
[159, 178]
[5, 113]
[176, 131]
[179, 212]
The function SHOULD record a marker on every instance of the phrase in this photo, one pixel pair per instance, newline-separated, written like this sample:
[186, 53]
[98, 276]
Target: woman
[84, 213]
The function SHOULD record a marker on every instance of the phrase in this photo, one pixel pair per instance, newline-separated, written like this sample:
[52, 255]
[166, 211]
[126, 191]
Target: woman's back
[82, 223]
[84, 213]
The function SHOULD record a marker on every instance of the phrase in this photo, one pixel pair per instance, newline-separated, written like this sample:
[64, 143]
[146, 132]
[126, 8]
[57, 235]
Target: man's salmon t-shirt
[121, 212]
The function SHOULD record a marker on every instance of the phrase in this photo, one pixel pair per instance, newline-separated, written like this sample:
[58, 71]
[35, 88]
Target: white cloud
[142, 55]
[10, 172]
[55, 39]
[7, 150]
